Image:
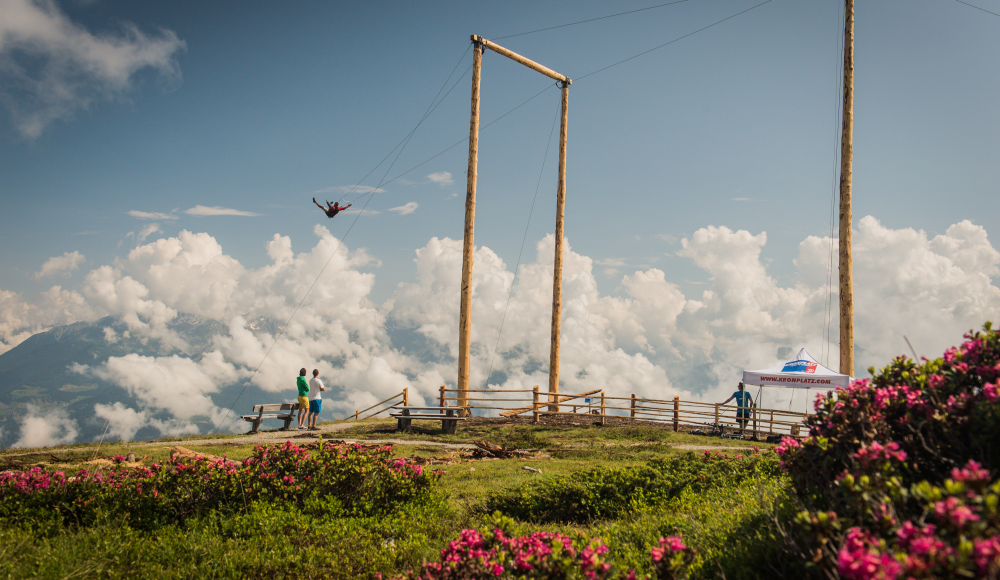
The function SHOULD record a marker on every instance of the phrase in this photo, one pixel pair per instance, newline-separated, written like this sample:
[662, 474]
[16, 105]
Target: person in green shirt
[303, 386]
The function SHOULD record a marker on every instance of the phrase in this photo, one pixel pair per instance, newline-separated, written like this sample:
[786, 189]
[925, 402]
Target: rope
[589, 20]
[425, 115]
[834, 189]
[977, 7]
[523, 240]
[280, 332]
[672, 41]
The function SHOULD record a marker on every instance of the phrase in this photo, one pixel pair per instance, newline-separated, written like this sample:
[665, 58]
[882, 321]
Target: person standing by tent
[303, 386]
[744, 402]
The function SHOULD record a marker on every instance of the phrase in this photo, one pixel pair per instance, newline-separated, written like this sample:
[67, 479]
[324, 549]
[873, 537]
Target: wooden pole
[441, 396]
[846, 168]
[716, 414]
[518, 58]
[465, 317]
[677, 409]
[603, 410]
[557, 262]
[632, 413]
[406, 396]
[534, 404]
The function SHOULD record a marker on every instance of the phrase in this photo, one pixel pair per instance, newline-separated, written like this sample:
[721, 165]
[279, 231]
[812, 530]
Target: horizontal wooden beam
[518, 58]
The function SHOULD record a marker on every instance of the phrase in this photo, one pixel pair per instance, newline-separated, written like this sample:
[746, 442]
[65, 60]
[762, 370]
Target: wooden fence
[679, 414]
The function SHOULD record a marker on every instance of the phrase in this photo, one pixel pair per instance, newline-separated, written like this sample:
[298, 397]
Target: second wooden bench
[447, 415]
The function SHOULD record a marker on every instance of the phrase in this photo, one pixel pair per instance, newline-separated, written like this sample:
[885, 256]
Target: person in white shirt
[315, 399]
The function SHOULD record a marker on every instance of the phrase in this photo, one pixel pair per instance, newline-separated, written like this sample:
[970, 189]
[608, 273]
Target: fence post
[406, 396]
[356, 413]
[534, 403]
[677, 410]
[770, 425]
[632, 412]
[602, 408]
[716, 414]
[441, 390]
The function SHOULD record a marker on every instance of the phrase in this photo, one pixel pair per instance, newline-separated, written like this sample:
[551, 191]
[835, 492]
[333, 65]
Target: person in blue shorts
[316, 387]
[744, 402]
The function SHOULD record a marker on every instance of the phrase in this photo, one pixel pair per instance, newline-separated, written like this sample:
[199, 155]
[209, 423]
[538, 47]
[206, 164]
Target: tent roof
[802, 372]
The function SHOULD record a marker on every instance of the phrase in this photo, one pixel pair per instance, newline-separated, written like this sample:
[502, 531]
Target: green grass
[727, 525]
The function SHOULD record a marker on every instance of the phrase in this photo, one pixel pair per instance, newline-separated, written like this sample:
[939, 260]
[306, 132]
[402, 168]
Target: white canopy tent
[802, 372]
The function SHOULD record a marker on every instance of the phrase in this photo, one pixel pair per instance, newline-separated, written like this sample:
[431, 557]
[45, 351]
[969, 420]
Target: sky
[701, 175]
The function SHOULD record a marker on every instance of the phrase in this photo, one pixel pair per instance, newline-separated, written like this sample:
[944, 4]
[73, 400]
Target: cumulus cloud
[151, 215]
[201, 210]
[649, 339]
[441, 178]
[147, 231]
[51, 67]
[64, 264]
[406, 209]
[45, 427]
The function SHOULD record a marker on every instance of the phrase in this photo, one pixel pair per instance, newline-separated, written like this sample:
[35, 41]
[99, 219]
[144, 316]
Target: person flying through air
[331, 210]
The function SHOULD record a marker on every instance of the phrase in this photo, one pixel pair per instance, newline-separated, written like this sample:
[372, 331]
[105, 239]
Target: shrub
[497, 554]
[346, 480]
[895, 474]
[604, 492]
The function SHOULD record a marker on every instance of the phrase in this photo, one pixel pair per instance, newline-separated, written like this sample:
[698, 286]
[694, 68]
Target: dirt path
[272, 437]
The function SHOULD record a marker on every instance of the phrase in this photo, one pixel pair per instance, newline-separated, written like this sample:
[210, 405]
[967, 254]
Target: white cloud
[151, 215]
[650, 339]
[406, 209]
[175, 384]
[201, 210]
[51, 67]
[147, 231]
[441, 178]
[45, 427]
[64, 264]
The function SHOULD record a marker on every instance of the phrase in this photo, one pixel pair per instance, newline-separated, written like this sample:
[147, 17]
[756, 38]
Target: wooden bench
[273, 412]
[447, 415]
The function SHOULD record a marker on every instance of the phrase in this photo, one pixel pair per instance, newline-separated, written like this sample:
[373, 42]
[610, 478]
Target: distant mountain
[37, 372]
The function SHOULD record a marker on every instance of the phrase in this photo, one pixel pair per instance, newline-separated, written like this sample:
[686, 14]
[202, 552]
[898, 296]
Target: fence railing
[405, 395]
[600, 406]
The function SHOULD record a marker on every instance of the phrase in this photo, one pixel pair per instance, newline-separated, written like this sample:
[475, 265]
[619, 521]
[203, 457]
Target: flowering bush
[604, 492]
[895, 475]
[496, 554]
[342, 480]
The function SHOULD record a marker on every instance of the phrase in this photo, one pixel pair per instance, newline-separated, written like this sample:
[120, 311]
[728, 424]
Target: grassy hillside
[281, 538]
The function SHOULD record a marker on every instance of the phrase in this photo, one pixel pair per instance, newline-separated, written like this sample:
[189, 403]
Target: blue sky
[701, 181]
[733, 126]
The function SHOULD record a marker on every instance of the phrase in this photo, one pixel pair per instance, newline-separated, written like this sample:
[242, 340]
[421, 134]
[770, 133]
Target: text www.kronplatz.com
[796, 380]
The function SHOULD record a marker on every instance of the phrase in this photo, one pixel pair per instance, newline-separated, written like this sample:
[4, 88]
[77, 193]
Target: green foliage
[266, 541]
[895, 477]
[333, 481]
[604, 492]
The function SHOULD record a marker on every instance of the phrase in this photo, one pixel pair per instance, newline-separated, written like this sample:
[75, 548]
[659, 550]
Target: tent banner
[802, 372]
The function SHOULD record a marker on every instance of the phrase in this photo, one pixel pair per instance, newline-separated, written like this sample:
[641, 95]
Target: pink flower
[952, 510]
[990, 391]
[973, 472]
[858, 561]
[986, 552]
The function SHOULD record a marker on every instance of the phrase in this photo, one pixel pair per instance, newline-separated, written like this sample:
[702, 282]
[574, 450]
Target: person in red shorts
[331, 210]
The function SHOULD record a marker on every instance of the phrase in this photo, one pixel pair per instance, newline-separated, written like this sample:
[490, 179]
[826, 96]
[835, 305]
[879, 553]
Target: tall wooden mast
[465, 317]
[846, 167]
[557, 267]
